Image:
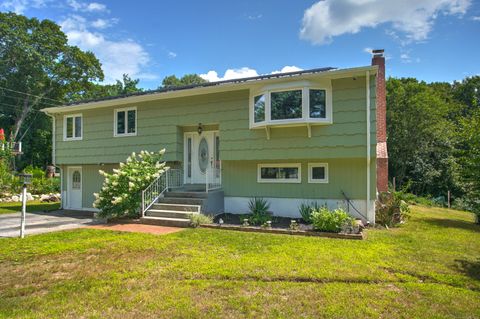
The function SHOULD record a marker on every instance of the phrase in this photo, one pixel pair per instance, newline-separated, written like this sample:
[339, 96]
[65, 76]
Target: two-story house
[313, 135]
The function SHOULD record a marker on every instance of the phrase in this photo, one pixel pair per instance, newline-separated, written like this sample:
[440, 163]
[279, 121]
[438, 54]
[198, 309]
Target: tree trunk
[21, 118]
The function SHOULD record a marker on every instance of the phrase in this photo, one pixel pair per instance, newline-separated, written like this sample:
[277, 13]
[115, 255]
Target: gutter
[54, 156]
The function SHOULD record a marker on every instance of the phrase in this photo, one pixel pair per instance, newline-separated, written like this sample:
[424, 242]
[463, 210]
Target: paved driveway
[44, 222]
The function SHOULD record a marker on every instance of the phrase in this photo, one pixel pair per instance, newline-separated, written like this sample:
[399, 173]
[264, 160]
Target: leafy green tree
[421, 137]
[187, 79]
[38, 68]
[122, 87]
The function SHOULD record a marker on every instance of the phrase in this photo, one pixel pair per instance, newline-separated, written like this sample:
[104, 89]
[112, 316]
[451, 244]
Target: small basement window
[317, 172]
[73, 127]
[279, 173]
[125, 122]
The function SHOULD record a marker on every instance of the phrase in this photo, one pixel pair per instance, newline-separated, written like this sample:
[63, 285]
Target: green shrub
[307, 209]
[198, 219]
[259, 211]
[330, 221]
[37, 172]
[390, 209]
[121, 194]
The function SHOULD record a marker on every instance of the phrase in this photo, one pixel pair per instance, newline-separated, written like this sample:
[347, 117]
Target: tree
[470, 159]
[38, 68]
[421, 137]
[187, 79]
[96, 91]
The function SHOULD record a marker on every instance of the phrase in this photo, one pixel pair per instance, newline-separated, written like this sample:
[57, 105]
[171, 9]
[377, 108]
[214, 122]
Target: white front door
[200, 155]
[74, 187]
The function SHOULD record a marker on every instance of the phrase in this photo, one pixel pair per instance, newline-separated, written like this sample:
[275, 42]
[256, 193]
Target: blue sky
[433, 40]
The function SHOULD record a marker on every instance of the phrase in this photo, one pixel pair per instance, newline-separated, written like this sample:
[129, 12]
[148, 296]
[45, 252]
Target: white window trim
[305, 87]
[295, 181]
[73, 138]
[311, 180]
[125, 109]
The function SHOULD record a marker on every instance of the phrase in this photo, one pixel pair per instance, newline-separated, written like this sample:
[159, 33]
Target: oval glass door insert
[203, 155]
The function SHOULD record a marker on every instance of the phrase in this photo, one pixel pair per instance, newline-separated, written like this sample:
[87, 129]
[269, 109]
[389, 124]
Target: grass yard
[428, 268]
[32, 206]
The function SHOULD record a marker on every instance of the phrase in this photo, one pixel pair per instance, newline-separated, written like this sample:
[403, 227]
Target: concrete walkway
[44, 222]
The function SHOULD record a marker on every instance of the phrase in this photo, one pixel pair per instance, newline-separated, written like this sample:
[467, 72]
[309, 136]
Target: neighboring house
[314, 135]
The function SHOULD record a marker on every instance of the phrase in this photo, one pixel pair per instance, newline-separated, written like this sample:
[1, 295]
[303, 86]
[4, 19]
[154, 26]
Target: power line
[15, 107]
[4, 88]
[18, 98]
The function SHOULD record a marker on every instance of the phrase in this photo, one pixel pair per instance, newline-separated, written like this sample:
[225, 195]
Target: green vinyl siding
[161, 124]
[239, 179]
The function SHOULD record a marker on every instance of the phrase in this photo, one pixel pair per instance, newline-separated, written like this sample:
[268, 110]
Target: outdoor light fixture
[200, 129]
[26, 178]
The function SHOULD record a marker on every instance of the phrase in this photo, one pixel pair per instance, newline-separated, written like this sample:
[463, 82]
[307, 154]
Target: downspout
[54, 156]
[368, 144]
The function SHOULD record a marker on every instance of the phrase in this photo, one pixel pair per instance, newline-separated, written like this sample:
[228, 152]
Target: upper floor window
[304, 104]
[286, 105]
[73, 127]
[125, 122]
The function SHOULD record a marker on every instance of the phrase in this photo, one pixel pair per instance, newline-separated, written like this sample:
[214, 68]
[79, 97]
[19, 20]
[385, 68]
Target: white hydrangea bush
[121, 193]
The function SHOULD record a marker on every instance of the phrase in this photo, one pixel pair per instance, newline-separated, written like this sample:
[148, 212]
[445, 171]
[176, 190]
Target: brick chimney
[382, 153]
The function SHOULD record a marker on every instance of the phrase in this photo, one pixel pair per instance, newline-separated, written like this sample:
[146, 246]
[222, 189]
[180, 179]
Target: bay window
[291, 106]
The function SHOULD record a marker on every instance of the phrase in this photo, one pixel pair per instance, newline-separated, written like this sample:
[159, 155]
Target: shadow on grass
[453, 223]
[34, 207]
[469, 268]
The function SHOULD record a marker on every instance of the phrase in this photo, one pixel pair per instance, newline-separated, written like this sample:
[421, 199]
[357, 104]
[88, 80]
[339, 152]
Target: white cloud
[20, 6]
[87, 7]
[117, 57]
[414, 18]
[368, 50]
[230, 74]
[476, 18]
[288, 68]
[104, 23]
[245, 72]
[172, 55]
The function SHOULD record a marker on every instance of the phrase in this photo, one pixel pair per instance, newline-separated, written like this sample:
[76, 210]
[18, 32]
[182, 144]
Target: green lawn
[428, 268]
[32, 206]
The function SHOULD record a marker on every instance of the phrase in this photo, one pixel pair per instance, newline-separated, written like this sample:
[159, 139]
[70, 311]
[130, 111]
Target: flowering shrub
[330, 220]
[121, 194]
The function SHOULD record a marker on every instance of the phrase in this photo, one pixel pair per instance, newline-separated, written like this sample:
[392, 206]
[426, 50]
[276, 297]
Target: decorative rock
[50, 198]
[15, 198]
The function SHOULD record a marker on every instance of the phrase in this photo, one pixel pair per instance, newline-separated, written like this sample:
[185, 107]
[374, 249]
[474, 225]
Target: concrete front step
[186, 194]
[165, 221]
[180, 200]
[177, 207]
[167, 213]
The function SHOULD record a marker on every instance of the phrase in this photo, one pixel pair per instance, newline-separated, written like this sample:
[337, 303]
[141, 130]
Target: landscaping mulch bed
[280, 225]
[284, 231]
[237, 219]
